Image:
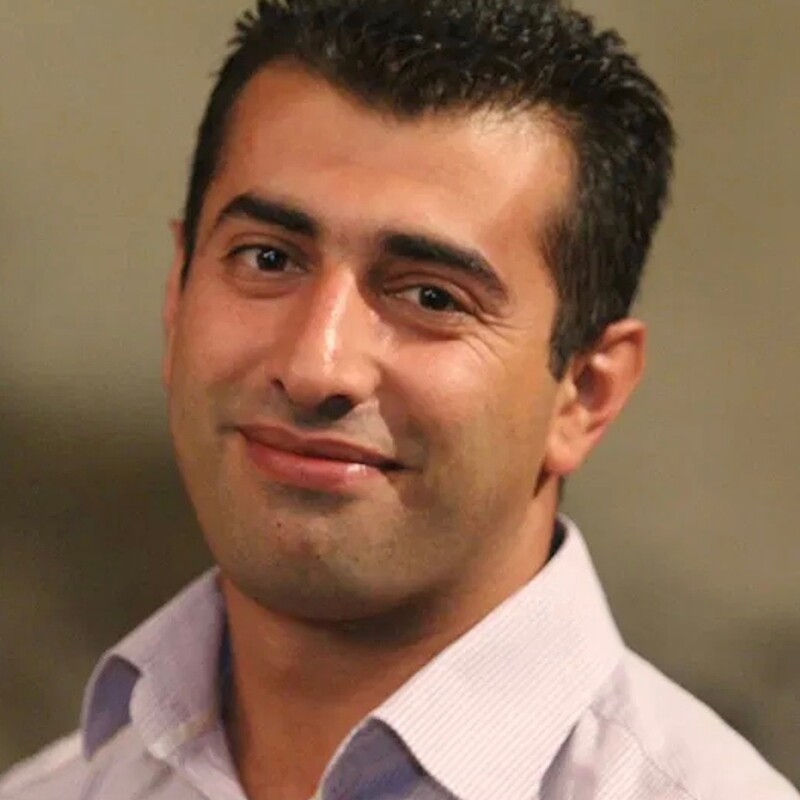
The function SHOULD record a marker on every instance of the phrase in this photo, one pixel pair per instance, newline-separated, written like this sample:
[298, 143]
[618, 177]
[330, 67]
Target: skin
[336, 599]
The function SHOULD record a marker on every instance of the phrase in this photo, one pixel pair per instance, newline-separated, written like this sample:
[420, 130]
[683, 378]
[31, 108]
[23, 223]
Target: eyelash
[458, 307]
[237, 252]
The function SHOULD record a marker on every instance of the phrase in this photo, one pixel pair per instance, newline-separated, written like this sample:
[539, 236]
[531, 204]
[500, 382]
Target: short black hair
[409, 57]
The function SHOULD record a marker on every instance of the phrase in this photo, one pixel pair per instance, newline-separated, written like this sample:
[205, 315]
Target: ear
[592, 393]
[172, 300]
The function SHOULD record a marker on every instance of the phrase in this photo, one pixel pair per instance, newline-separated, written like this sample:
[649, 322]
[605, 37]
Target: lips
[318, 447]
[312, 462]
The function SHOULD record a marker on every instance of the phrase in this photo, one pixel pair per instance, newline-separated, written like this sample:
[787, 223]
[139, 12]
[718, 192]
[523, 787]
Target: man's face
[379, 284]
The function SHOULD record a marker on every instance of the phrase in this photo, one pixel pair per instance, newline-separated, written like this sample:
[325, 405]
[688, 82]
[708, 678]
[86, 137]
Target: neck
[300, 686]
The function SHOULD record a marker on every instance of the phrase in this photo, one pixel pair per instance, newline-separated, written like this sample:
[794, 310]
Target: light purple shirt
[541, 700]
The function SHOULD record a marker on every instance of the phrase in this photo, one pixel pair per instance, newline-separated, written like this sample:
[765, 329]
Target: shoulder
[59, 761]
[121, 769]
[655, 740]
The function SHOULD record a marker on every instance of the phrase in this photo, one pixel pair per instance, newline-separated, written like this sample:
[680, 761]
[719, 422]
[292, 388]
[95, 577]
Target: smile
[327, 465]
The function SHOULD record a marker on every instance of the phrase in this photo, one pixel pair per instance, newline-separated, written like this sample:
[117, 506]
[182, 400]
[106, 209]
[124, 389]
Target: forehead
[293, 134]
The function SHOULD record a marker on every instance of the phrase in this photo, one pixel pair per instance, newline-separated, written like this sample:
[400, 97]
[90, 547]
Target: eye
[432, 298]
[262, 258]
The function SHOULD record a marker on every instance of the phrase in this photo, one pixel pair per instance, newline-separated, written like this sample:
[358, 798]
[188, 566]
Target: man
[397, 319]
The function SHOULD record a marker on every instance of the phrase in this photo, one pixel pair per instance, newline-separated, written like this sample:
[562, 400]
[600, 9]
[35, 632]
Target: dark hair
[412, 56]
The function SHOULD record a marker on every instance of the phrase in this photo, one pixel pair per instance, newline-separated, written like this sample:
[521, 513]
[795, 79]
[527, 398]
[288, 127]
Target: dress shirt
[541, 700]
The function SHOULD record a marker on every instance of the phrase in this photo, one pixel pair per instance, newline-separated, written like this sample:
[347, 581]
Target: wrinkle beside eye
[498, 337]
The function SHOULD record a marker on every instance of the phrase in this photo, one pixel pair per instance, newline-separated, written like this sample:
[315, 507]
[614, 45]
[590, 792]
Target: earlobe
[594, 391]
[565, 445]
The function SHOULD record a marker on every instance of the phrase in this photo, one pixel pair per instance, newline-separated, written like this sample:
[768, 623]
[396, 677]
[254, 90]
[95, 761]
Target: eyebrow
[413, 246]
[419, 247]
[268, 212]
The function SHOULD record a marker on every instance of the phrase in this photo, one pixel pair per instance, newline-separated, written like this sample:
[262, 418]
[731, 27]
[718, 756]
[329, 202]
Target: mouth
[317, 463]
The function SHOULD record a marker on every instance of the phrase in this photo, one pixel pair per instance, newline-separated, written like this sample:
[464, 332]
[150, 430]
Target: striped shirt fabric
[541, 700]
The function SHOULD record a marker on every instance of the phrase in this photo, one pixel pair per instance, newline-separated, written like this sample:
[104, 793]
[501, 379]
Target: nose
[325, 360]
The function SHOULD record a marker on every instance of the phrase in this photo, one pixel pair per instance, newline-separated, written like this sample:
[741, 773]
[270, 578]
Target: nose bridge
[330, 312]
[327, 345]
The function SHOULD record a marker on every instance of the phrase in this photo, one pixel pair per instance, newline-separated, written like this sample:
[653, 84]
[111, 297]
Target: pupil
[268, 260]
[435, 299]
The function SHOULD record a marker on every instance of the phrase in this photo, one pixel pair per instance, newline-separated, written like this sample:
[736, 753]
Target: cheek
[473, 399]
[445, 387]
[217, 339]
[451, 391]
[216, 351]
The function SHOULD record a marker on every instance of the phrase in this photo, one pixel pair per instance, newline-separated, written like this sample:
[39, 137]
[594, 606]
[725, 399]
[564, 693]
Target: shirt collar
[488, 715]
[484, 718]
[162, 676]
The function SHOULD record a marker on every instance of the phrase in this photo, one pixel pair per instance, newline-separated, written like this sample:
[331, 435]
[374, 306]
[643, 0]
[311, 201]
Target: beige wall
[691, 507]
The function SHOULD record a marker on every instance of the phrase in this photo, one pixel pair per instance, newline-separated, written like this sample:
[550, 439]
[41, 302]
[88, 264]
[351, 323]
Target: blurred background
[691, 507]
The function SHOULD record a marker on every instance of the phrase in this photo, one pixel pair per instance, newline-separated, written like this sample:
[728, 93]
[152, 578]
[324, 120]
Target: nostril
[313, 410]
[335, 407]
